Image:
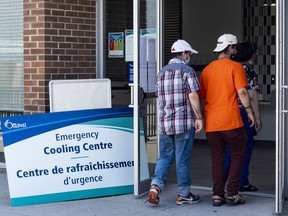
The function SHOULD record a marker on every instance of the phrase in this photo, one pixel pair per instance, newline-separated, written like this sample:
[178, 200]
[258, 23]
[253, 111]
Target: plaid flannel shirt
[174, 83]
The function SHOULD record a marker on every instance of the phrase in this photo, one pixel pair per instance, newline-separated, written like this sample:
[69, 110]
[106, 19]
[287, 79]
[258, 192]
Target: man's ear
[231, 49]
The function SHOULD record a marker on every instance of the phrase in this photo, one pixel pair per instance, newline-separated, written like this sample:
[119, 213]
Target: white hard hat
[181, 46]
[225, 40]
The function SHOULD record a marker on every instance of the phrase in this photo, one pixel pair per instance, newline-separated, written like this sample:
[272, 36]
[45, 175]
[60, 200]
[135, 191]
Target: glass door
[146, 63]
[128, 50]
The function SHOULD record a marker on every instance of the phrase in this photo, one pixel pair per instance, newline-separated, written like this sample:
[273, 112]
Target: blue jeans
[249, 146]
[171, 147]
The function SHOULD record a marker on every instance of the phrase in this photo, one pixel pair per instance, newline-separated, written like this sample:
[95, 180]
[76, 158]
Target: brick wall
[59, 43]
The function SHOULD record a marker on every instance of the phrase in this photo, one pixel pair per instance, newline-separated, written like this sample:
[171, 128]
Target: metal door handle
[131, 95]
[284, 87]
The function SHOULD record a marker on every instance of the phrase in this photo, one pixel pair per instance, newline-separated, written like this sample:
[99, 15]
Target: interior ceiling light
[270, 5]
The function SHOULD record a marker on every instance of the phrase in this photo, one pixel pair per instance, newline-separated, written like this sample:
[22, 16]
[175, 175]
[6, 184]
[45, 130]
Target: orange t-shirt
[220, 81]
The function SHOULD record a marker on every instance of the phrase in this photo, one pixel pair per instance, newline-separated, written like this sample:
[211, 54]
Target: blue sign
[130, 72]
[70, 155]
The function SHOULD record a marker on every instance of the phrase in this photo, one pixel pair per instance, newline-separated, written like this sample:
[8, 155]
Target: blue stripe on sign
[58, 197]
[41, 123]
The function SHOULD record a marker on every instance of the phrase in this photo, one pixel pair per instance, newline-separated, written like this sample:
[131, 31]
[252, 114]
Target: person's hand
[198, 124]
[251, 118]
[258, 125]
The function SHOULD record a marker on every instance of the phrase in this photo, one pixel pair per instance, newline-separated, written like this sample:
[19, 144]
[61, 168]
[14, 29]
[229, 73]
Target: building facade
[59, 43]
[49, 40]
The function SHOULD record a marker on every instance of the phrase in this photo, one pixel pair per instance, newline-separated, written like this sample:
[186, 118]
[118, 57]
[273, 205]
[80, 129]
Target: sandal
[217, 200]
[248, 187]
[235, 200]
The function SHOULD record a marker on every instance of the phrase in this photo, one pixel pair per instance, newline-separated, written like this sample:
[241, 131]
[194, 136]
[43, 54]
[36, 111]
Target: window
[11, 57]
[260, 27]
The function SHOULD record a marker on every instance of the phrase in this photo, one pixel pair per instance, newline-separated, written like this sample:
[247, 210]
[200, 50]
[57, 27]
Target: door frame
[281, 106]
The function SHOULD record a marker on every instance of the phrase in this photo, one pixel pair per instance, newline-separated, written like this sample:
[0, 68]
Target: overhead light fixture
[270, 5]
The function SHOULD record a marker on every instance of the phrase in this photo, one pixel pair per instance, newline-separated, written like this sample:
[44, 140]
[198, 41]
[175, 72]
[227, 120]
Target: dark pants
[236, 140]
[249, 146]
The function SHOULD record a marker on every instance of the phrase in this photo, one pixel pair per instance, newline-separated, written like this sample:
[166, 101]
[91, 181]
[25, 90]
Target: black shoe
[248, 188]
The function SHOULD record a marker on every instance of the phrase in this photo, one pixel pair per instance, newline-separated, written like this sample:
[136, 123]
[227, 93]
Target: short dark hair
[225, 51]
[176, 55]
[255, 47]
[245, 51]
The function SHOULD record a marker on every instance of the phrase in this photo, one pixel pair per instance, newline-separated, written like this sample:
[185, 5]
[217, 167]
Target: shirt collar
[176, 60]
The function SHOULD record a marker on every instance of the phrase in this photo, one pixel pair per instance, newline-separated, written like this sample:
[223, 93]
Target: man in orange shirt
[221, 82]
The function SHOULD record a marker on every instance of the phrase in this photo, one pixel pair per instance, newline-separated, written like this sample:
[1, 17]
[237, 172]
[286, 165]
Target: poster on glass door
[116, 45]
[147, 61]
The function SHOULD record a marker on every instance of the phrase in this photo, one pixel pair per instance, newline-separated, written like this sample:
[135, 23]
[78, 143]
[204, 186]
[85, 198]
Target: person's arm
[253, 94]
[195, 103]
[245, 100]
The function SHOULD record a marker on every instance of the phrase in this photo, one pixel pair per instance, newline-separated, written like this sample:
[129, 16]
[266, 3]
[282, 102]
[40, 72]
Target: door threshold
[256, 194]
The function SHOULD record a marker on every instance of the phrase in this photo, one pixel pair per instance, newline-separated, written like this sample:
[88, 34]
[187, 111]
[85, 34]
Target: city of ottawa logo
[12, 125]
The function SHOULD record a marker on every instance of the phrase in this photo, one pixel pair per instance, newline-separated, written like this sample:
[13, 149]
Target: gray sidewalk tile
[126, 205]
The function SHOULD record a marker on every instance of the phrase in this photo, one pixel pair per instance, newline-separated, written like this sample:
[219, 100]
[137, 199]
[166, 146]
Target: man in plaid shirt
[179, 118]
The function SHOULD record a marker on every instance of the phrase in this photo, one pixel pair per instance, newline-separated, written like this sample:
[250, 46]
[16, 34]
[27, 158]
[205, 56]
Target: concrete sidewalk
[126, 205]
